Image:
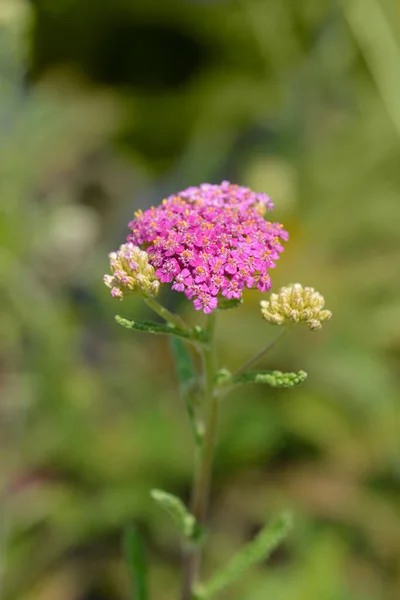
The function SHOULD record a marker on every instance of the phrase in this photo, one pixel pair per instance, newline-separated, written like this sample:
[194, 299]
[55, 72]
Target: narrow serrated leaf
[136, 562]
[183, 519]
[272, 378]
[184, 364]
[152, 327]
[187, 381]
[195, 335]
[256, 551]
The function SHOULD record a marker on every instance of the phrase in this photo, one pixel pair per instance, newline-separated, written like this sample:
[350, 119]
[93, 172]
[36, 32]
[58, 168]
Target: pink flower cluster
[210, 241]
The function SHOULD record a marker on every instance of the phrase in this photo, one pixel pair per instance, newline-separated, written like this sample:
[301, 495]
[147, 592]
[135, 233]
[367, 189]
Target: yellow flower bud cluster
[131, 272]
[296, 304]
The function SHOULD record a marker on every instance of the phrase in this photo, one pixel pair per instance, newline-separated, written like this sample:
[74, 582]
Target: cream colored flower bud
[131, 272]
[295, 304]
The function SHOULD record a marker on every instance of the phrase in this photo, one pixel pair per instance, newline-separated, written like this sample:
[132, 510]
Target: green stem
[254, 360]
[164, 313]
[203, 469]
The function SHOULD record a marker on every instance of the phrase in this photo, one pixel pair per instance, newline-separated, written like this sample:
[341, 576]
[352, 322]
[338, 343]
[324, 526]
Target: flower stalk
[254, 360]
[204, 461]
[165, 314]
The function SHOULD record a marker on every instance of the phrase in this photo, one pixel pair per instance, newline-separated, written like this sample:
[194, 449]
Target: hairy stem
[203, 467]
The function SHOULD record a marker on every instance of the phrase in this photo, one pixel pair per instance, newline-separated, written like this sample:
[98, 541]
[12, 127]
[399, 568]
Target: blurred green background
[109, 106]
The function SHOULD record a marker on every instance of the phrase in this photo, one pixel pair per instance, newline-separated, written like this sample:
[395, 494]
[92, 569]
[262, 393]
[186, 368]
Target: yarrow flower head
[131, 272]
[210, 242]
[295, 304]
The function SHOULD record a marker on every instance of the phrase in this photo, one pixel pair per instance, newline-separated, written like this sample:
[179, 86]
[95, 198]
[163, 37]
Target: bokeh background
[109, 106]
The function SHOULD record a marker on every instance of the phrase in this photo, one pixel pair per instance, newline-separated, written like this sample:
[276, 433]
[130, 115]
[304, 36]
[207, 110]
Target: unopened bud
[296, 304]
[131, 272]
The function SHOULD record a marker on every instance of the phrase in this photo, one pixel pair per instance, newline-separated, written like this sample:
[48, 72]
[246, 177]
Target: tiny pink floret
[211, 241]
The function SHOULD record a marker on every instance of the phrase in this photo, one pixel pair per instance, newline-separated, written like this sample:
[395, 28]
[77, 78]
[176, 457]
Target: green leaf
[135, 559]
[272, 378]
[151, 327]
[195, 335]
[223, 377]
[184, 365]
[187, 378]
[224, 304]
[183, 519]
[256, 551]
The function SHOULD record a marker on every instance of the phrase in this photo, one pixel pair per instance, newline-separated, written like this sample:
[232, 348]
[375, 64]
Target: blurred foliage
[107, 106]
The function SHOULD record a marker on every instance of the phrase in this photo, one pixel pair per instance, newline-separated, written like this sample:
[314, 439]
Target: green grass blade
[136, 562]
